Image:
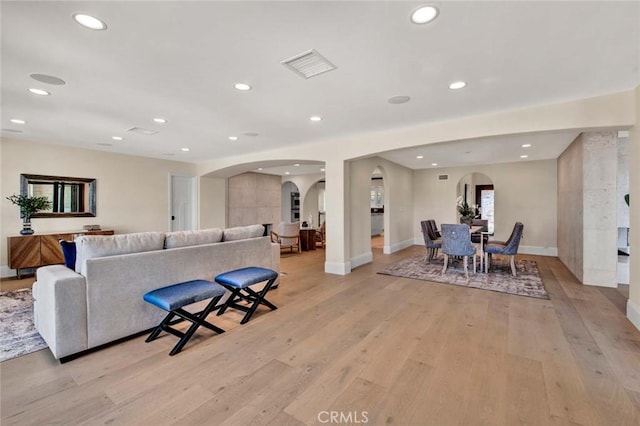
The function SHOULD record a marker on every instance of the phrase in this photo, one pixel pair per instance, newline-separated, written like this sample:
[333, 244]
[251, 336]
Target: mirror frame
[25, 180]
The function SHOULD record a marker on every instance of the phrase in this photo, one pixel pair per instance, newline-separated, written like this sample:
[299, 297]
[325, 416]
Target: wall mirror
[69, 196]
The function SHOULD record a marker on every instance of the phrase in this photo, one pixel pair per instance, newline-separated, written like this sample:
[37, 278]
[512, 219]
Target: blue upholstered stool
[238, 282]
[174, 297]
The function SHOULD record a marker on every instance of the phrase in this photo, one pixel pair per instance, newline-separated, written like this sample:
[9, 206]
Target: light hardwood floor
[392, 350]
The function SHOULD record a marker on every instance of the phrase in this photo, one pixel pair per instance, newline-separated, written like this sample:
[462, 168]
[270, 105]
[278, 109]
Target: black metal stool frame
[198, 319]
[251, 296]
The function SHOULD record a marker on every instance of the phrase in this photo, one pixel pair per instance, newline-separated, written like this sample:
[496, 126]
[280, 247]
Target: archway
[313, 205]
[477, 190]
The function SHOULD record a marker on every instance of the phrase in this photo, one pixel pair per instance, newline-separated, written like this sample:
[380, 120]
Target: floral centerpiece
[29, 206]
[466, 212]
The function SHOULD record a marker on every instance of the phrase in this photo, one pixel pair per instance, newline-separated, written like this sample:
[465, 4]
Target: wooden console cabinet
[32, 251]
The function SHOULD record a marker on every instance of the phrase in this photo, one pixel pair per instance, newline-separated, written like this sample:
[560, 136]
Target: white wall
[132, 192]
[524, 191]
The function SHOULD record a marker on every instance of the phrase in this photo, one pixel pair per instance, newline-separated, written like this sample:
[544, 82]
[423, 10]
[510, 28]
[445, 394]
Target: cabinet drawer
[24, 252]
[50, 250]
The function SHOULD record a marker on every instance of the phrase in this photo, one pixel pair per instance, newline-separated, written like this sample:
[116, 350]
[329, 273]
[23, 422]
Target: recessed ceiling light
[524, 156]
[160, 120]
[315, 118]
[457, 85]
[526, 145]
[287, 173]
[259, 168]
[434, 164]
[424, 14]
[419, 157]
[233, 138]
[18, 121]
[39, 92]
[48, 79]
[185, 149]
[296, 165]
[322, 169]
[395, 100]
[90, 22]
[243, 87]
[117, 138]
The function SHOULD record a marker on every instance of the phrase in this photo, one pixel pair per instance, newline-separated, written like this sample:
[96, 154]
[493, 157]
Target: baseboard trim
[540, 251]
[398, 246]
[361, 260]
[633, 313]
[337, 268]
[6, 272]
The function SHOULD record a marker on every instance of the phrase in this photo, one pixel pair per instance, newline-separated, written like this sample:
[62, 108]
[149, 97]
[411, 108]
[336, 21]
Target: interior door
[183, 203]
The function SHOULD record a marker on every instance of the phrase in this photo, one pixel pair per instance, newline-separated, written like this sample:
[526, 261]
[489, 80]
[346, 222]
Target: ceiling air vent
[143, 131]
[308, 64]
[443, 177]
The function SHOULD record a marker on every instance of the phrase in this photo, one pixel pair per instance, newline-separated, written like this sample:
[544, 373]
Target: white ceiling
[179, 60]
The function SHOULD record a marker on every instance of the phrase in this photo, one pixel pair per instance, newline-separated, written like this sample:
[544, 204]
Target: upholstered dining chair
[508, 248]
[430, 243]
[288, 235]
[433, 228]
[456, 241]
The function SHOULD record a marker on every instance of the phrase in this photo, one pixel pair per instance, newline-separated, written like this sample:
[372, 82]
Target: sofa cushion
[91, 246]
[192, 238]
[243, 232]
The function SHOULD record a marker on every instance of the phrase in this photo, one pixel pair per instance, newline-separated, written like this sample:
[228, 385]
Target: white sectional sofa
[101, 300]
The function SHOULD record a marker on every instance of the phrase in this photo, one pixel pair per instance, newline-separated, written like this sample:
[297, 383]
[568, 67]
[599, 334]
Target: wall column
[337, 218]
[633, 304]
[600, 228]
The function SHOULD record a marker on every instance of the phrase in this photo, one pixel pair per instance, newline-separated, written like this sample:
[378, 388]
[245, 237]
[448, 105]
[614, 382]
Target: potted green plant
[29, 206]
[465, 211]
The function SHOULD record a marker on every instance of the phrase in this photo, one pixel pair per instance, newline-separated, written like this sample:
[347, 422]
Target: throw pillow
[69, 252]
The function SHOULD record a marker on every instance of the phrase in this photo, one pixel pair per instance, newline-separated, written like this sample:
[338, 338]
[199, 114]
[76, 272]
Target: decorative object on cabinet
[29, 205]
[33, 251]
[70, 196]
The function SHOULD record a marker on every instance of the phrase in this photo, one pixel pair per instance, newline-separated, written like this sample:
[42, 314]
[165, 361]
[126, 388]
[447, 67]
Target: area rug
[18, 335]
[527, 283]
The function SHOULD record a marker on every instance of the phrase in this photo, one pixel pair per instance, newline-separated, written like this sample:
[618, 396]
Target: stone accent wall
[587, 208]
[570, 209]
[253, 198]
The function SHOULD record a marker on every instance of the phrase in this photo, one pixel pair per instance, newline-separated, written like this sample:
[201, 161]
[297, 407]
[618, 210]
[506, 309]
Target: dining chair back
[431, 244]
[508, 248]
[456, 241]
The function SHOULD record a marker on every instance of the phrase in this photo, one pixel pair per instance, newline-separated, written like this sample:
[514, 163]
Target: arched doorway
[478, 191]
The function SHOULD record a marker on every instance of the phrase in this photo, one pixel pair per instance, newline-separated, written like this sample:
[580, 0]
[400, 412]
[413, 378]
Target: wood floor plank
[408, 352]
[528, 402]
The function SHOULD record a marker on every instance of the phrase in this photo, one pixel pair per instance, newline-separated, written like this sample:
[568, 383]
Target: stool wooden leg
[259, 299]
